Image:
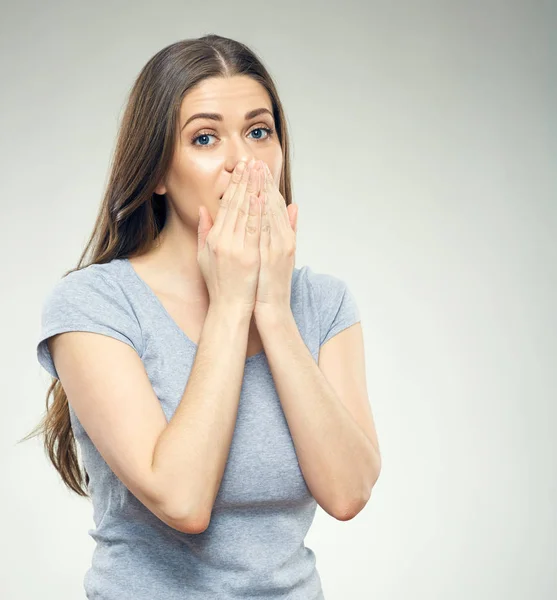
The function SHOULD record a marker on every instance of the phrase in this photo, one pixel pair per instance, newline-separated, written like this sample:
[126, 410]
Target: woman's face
[208, 150]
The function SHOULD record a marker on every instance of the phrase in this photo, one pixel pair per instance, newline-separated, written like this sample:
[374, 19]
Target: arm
[191, 453]
[339, 461]
[174, 468]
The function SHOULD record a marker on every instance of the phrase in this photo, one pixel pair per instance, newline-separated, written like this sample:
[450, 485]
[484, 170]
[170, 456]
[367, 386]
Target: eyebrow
[218, 117]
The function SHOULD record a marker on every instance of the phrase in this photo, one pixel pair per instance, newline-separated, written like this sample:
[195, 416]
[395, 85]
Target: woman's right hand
[228, 249]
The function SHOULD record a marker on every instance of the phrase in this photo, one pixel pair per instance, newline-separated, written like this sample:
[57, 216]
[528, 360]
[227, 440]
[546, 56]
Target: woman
[216, 391]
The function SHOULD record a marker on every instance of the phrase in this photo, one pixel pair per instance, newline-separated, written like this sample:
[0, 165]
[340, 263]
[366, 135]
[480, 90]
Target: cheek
[192, 177]
[201, 170]
[179, 176]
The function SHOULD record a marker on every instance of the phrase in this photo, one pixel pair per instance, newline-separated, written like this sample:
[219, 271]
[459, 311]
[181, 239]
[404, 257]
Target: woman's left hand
[277, 248]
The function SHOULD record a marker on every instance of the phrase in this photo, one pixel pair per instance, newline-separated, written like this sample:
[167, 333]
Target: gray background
[423, 143]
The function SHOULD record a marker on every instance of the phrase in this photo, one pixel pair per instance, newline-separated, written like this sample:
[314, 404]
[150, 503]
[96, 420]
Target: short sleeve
[84, 300]
[336, 305]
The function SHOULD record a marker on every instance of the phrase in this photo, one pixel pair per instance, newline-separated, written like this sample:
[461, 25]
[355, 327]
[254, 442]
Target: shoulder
[333, 303]
[93, 284]
[89, 299]
[323, 287]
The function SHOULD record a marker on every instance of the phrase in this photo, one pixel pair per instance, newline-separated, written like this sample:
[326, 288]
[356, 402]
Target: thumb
[203, 227]
[292, 210]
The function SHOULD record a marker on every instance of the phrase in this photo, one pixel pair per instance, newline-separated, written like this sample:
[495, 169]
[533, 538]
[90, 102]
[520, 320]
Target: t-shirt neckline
[147, 288]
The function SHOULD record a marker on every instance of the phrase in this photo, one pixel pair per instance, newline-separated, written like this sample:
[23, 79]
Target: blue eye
[269, 131]
[203, 135]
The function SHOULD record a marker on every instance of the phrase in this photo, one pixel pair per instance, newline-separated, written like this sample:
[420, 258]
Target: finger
[277, 235]
[203, 227]
[261, 182]
[252, 233]
[277, 229]
[264, 242]
[228, 194]
[235, 203]
[277, 203]
[293, 216]
[244, 203]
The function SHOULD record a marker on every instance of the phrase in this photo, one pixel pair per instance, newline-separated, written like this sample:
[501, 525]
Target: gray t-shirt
[254, 545]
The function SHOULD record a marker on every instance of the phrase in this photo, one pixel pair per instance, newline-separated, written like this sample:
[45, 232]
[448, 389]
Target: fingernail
[240, 166]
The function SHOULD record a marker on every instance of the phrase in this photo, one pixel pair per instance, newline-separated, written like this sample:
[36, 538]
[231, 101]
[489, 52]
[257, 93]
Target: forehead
[230, 96]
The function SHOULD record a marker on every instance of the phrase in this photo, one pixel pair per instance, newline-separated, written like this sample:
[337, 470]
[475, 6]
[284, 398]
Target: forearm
[191, 453]
[338, 461]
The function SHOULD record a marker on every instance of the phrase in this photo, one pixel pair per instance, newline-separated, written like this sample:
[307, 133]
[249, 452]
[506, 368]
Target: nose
[246, 160]
[233, 163]
[240, 150]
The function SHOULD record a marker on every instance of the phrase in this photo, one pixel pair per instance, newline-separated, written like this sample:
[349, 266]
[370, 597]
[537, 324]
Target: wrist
[267, 314]
[231, 311]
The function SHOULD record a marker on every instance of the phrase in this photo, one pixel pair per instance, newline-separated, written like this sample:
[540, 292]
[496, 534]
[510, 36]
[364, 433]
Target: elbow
[186, 521]
[350, 509]
[193, 526]
[174, 506]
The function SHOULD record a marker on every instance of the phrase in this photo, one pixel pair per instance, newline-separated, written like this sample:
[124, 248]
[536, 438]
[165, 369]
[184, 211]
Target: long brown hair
[131, 214]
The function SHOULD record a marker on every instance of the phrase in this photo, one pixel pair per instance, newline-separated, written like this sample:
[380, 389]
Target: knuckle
[248, 259]
[236, 177]
[210, 240]
[220, 248]
[239, 195]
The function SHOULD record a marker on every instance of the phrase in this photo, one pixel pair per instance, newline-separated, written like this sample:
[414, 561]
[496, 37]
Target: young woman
[216, 391]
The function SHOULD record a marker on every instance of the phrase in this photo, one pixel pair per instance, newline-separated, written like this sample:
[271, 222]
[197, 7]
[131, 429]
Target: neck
[173, 259]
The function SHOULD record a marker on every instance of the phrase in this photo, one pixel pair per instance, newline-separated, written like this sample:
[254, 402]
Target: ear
[160, 189]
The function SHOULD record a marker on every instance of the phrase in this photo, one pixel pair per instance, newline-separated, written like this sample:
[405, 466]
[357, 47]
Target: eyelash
[270, 132]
